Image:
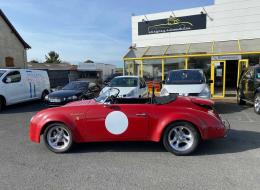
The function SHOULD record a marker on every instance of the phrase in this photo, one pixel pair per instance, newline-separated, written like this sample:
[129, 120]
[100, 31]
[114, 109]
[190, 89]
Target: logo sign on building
[226, 57]
[173, 24]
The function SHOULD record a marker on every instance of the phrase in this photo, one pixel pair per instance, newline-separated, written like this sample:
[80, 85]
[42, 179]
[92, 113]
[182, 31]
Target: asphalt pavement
[229, 163]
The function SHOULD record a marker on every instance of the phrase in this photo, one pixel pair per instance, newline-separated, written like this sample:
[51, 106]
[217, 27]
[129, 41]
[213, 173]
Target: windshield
[1, 72]
[124, 82]
[257, 73]
[185, 77]
[76, 86]
[104, 97]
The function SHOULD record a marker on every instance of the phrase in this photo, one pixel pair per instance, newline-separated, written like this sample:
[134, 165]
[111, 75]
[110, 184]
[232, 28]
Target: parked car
[20, 85]
[76, 90]
[191, 82]
[249, 88]
[180, 122]
[129, 86]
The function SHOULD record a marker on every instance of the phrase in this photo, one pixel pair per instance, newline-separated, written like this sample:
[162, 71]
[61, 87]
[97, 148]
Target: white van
[20, 85]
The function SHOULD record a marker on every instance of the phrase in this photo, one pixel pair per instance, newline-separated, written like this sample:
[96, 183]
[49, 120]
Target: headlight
[72, 98]
[131, 93]
[205, 93]
[164, 92]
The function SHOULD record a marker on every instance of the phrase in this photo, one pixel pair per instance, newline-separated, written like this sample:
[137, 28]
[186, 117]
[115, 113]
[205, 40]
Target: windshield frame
[2, 72]
[75, 86]
[172, 81]
[104, 97]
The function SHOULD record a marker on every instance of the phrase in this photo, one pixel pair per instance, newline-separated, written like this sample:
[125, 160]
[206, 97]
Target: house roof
[51, 66]
[26, 46]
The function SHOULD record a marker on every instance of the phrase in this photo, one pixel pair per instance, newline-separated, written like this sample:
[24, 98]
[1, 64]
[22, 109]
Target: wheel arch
[158, 130]
[3, 98]
[177, 121]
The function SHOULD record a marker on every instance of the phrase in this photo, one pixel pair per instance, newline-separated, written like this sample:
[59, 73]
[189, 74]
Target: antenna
[204, 11]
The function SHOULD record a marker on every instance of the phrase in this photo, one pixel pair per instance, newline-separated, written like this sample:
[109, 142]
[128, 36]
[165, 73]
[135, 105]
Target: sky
[78, 30]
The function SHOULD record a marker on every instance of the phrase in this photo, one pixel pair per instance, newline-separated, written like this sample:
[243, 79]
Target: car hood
[185, 88]
[64, 93]
[82, 103]
[123, 90]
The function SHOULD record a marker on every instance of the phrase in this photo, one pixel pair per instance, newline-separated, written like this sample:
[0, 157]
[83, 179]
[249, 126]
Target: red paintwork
[86, 119]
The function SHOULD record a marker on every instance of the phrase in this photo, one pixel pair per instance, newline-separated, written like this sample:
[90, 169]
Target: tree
[34, 61]
[52, 57]
[89, 61]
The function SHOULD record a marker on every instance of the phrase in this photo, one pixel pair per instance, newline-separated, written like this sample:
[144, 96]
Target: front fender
[39, 123]
[159, 125]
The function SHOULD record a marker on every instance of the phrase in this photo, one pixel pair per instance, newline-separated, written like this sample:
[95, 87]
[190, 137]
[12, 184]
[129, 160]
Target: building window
[201, 63]
[9, 62]
[173, 64]
[152, 70]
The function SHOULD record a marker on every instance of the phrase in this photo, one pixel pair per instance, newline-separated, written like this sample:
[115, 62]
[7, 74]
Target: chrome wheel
[58, 138]
[180, 138]
[257, 104]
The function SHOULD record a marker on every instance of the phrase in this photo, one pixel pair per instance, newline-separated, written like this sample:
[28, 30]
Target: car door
[14, 87]
[114, 122]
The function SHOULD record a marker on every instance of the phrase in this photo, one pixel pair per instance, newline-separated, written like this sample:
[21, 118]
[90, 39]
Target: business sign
[173, 24]
[226, 57]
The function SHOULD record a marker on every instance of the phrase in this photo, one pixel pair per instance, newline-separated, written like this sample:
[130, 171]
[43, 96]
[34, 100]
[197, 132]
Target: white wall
[233, 19]
[10, 46]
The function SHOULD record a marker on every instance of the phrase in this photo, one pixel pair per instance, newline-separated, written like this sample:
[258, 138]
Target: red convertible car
[179, 122]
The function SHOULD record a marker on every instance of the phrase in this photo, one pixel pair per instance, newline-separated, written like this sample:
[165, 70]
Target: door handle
[141, 114]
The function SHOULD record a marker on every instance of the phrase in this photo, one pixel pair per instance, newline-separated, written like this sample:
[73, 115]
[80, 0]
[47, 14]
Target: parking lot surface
[230, 163]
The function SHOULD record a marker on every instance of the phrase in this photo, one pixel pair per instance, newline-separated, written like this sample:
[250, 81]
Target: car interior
[150, 100]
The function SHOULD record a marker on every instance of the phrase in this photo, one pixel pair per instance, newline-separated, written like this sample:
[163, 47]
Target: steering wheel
[112, 97]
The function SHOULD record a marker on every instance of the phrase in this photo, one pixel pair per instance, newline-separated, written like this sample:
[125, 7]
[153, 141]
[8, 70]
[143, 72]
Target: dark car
[249, 88]
[76, 90]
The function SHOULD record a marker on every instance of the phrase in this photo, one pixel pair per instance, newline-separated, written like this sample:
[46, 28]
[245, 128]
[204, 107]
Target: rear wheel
[44, 93]
[181, 138]
[58, 138]
[2, 103]
[240, 101]
[257, 103]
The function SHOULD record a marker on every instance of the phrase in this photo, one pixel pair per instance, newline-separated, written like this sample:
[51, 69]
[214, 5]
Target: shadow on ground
[230, 107]
[25, 107]
[237, 141]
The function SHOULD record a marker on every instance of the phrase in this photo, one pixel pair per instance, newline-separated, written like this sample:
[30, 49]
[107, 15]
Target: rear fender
[161, 124]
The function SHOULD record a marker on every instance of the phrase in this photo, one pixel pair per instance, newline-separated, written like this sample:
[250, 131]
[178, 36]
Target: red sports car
[180, 122]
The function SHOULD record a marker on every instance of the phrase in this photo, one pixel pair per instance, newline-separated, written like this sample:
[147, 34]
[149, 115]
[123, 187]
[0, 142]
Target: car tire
[58, 138]
[44, 93]
[2, 103]
[181, 138]
[240, 101]
[257, 103]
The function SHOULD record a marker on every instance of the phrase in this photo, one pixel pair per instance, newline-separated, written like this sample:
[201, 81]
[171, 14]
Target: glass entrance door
[242, 67]
[218, 76]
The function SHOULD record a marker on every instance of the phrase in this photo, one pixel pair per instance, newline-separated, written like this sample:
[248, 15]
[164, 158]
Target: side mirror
[210, 81]
[106, 83]
[163, 82]
[8, 80]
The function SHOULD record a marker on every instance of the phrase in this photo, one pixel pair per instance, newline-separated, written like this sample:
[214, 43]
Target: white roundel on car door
[116, 122]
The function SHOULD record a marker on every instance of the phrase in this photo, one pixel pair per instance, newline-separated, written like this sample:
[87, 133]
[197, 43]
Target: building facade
[222, 39]
[12, 46]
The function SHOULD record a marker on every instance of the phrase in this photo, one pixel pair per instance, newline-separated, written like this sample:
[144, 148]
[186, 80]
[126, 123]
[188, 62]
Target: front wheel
[257, 103]
[58, 138]
[240, 101]
[181, 138]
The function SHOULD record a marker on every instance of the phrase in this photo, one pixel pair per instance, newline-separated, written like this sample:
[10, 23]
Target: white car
[191, 82]
[129, 86]
[20, 85]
